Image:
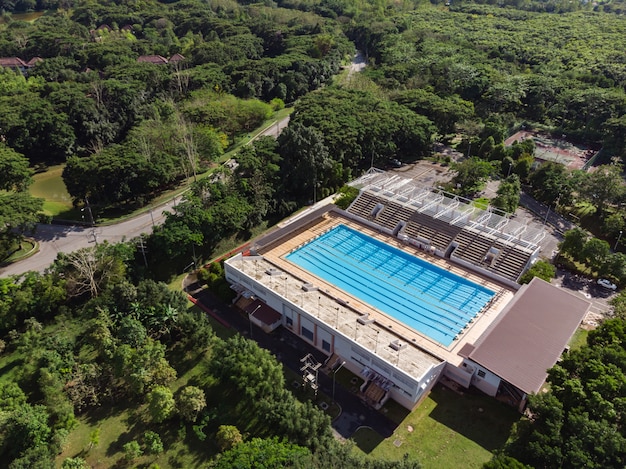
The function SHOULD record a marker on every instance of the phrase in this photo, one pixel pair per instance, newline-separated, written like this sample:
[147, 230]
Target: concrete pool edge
[431, 320]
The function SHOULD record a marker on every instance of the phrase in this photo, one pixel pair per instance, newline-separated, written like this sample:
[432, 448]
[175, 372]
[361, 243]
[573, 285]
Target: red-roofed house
[513, 356]
[13, 62]
[152, 59]
[19, 64]
[34, 61]
[174, 59]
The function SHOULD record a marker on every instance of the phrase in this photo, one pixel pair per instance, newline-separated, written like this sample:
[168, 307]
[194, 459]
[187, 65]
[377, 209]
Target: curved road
[54, 239]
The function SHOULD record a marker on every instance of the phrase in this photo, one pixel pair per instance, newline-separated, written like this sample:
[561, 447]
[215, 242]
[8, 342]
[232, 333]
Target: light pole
[334, 373]
[250, 318]
[546, 219]
[617, 242]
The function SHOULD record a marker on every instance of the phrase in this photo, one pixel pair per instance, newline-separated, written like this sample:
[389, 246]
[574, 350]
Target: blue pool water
[427, 298]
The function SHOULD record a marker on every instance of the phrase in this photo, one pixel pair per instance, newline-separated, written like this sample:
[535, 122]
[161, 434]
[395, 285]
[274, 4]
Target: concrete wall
[489, 383]
[461, 375]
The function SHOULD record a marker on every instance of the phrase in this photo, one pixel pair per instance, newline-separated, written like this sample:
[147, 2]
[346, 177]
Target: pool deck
[341, 310]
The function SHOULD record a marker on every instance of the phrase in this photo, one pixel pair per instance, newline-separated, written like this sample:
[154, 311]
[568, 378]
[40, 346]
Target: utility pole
[142, 248]
[334, 373]
[250, 318]
[91, 220]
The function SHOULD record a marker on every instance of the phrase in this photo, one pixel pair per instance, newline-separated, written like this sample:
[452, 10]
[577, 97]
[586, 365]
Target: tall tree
[550, 181]
[18, 209]
[508, 194]
[305, 161]
[89, 270]
[471, 176]
[604, 186]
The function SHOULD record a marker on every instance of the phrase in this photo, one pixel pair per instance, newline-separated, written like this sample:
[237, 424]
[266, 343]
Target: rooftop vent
[364, 319]
[397, 345]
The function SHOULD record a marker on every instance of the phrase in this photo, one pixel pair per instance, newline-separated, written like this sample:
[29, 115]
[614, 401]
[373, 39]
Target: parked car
[395, 163]
[607, 284]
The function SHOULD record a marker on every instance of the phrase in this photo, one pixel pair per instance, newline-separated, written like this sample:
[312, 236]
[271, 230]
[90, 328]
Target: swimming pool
[425, 297]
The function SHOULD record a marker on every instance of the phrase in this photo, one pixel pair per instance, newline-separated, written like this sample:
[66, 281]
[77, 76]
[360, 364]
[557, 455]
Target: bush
[541, 269]
[347, 194]
[228, 436]
[132, 450]
[203, 275]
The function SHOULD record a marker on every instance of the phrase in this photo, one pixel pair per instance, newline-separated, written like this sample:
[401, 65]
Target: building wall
[407, 390]
[484, 379]
[461, 375]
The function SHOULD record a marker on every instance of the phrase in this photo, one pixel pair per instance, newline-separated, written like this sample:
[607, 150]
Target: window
[307, 333]
[325, 346]
[289, 322]
[481, 374]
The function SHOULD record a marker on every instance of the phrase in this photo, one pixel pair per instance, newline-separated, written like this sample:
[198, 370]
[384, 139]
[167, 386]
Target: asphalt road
[55, 238]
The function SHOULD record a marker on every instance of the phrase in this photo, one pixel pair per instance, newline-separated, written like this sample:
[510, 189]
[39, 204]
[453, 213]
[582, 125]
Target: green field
[49, 186]
[29, 16]
[446, 430]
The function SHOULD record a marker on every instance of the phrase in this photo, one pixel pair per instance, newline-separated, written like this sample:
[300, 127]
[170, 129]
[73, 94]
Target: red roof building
[152, 59]
[526, 340]
[12, 62]
[16, 62]
[176, 58]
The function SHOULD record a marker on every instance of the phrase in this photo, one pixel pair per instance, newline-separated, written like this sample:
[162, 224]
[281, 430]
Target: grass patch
[121, 424]
[395, 412]
[29, 17]
[10, 365]
[366, 439]
[49, 186]
[583, 209]
[26, 246]
[481, 202]
[578, 339]
[450, 430]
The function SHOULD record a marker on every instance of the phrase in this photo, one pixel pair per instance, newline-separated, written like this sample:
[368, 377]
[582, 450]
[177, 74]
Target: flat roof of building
[347, 314]
[530, 335]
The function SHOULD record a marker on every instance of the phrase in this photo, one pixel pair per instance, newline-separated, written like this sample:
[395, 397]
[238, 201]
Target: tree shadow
[10, 366]
[367, 439]
[478, 417]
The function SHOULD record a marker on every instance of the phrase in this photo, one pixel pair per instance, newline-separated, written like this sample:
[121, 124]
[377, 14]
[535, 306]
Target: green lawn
[447, 430]
[49, 186]
[29, 17]
[482, 203]
[26, 248]
[578, 339]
